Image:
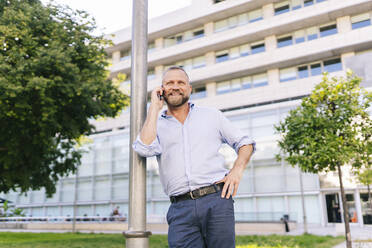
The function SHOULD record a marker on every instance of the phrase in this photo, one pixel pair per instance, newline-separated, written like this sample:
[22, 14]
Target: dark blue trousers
[207, 222]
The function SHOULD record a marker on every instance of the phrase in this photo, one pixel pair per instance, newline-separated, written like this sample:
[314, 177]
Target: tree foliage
[53, 80]
[331, 127]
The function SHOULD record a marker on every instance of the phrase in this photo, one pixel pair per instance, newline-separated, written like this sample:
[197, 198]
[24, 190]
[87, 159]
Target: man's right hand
[155, 101]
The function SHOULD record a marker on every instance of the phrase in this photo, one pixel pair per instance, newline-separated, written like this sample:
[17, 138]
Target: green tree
[53, 81]
[365, 177]
[330, 128]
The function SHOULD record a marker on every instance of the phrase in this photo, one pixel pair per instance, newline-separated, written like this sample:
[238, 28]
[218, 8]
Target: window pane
[220, 25]
[361, 24]
[259, 48]
[260, 80]
[332, 65]
[198, 93]
[312, 33]
[188, 35]
[234, 53]
[288, 74]
[303, 72]
[169, 41]
[198, 33]
[360, 18]
[198, 62]
[223, 87]
[281, 8]
[285, 41]
[255, 15]
[243, 19]
[299, 36]
[296, 4]
[233, 21]
[328, 30]
[316, 69]
[222, 56]
[308, 2]
[235, 84]
[244, 50]
[246, 82]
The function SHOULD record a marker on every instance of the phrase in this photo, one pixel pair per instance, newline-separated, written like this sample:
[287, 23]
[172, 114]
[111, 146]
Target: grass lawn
[82, 240]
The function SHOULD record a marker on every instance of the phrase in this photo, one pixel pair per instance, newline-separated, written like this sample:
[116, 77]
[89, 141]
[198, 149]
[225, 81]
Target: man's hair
[176, 67]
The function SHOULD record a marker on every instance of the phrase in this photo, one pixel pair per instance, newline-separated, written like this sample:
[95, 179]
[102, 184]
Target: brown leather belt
[197, 193]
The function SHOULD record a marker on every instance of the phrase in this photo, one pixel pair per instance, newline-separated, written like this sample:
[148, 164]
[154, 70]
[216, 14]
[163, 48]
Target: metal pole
[74, 203]
[303, 202]
[137, 236]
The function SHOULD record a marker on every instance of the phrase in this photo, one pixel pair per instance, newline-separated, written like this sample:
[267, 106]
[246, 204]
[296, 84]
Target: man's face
[177, 89]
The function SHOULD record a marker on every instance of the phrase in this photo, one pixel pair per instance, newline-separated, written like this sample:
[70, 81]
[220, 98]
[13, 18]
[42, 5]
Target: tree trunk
[346, 210]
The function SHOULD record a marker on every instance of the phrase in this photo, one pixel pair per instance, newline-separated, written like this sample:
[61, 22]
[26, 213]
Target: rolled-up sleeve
[233, 136]
[144, 150]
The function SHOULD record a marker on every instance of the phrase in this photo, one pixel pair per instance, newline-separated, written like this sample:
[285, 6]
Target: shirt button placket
[186, 154]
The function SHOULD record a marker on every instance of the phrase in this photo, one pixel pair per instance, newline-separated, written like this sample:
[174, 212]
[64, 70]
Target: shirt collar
[164, 115]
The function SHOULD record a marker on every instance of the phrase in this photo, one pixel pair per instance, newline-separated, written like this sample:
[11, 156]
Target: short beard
[177, 104]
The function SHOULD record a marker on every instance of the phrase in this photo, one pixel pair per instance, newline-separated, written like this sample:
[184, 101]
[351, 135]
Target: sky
[112, 15]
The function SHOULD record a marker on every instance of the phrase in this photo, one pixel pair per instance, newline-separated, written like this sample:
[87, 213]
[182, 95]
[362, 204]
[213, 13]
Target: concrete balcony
[320, 13]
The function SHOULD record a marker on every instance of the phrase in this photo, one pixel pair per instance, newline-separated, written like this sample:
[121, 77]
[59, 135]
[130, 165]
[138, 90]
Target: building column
[343, 24]
[115, 57]
[211, 89]
[159, 71]
[208, 28]
[323, 210]
[343, 58]
[358, 206]
[268, 10]
[270, 43]
[159, 43]
[210, 58]
[273, 77]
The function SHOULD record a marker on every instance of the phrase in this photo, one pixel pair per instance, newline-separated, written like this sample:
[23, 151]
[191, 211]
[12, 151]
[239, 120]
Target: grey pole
[303, 201]
[137, 236]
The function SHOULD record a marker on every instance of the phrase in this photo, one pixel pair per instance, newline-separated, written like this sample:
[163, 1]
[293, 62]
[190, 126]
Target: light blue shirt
[188, 154]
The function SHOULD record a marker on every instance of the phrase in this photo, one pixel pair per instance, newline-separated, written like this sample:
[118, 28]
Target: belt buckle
[192, 196]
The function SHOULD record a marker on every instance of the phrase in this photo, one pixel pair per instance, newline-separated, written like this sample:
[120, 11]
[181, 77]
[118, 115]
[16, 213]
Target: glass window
[246, 82]
[255, 15]
[221, 25]
[244, 50]
[281, 8]
[296, 4]
[316, 69]
[151, 47]
[188, 35]
[285, 41]
[235, 84]
[329, 29]
[187, 64]
[308, 2]
[198, 33]
[222, 56]
[151, 74]
[288, 74]
[199, 92]
[360, 21]
[233, 21]
[303, 71]
[243, 19]
[223, 87]
[218, 1]
[125, 54]
[170, 41]
[260, 80]
[234, 53]
[258, 48]
[299, 36]
[333, 65]
[198, 62]
[312, 33]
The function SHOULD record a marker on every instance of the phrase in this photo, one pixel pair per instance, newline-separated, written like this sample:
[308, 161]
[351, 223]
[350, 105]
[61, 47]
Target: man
[186, 139]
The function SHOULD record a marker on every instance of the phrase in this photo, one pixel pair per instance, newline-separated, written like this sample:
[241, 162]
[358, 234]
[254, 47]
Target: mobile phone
[161, 95]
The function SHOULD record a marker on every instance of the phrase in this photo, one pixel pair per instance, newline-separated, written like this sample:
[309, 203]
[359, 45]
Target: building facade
[252, 59]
